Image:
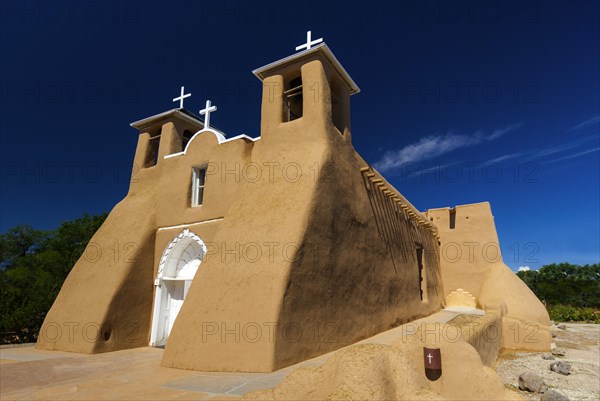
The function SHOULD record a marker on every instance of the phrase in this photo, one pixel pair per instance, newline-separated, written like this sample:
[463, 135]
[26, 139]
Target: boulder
[552, 395]
[531, 382]
[558, 352]
[548, 357]
[562, 326]
[564, 368]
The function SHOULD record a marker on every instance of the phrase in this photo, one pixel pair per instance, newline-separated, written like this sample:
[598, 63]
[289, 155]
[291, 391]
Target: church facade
[251, 254]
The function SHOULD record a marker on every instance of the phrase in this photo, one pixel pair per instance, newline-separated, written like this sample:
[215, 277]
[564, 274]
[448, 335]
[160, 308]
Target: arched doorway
[176, 270]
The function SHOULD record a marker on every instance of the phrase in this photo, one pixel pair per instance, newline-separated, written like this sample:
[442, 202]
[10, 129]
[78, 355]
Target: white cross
[207, 110]
[181, 97]
[309, 43]
[429, 356]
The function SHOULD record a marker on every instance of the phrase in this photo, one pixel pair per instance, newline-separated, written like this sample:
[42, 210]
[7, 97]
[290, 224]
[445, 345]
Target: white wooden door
[176, 295]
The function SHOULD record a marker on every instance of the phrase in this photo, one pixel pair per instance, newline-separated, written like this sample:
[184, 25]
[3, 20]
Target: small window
[422, 274]
[198, 178]
[452, 218]
[293, 100]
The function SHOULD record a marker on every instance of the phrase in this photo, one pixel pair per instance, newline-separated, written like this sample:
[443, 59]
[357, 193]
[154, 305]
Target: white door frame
[181, 252]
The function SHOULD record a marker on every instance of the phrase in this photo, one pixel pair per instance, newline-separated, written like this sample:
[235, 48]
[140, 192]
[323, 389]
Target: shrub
[567, 313]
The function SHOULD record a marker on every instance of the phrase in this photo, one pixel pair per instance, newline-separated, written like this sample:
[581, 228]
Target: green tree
[33, 268]
[565, 284]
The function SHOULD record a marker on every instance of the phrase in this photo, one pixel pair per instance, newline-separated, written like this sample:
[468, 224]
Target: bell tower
[308, 85]
[164, 134]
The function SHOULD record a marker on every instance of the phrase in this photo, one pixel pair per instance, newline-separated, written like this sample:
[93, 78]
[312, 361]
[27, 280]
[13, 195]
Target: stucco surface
[396, 372]
[309, 248]
[329, 282]
[471, 260]
[104, 304]
[386, 366]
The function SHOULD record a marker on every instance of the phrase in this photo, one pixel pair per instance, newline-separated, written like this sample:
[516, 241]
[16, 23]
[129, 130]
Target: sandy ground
[581, 343]
[27, 373]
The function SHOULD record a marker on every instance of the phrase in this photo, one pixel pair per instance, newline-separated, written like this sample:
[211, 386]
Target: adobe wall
[322, 278]
[356, 274]
[106, 301]
[397, 371]
[471, 260]
[328, 282]
[229, 321]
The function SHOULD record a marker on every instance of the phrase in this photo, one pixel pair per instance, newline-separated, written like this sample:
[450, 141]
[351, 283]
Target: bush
[567, 313]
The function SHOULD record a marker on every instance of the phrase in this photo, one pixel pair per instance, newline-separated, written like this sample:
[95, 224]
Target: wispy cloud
[435, 145]
[502, 158]
[585, 124]
[436, 168]
[524, 268]
[585, 152]
[576, 143]
[552, 150]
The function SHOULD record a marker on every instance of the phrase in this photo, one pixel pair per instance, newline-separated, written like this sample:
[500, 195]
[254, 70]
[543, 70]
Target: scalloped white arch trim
[220, 139]
[179, 243]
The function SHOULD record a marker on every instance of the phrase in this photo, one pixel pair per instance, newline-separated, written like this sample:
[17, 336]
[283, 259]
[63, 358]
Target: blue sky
[460, 102]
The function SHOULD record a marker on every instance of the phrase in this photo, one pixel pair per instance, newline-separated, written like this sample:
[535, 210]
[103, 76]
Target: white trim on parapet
[220, 139]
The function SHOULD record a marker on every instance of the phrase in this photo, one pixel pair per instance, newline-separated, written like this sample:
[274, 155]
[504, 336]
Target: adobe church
[252, 254]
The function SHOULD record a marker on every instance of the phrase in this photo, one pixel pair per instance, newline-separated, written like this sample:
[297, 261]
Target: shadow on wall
[403, 241]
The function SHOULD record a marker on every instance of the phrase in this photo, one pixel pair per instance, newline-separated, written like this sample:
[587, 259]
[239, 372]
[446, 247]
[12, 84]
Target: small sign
[433, 363]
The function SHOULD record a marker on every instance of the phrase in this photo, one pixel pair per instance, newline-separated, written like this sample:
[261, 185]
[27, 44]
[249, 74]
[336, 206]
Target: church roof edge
[323, 48]
[181, 113]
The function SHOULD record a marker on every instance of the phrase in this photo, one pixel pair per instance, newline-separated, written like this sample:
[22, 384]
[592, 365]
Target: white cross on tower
[309, 43]
[181, 97]
[429, 356]
[207, 110]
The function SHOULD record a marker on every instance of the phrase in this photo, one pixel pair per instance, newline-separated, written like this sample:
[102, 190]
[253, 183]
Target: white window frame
[198, 182]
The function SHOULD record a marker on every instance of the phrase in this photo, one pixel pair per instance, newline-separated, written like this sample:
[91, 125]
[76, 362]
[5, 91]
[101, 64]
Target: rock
[531, 382]
[558, 352]
[562, 326]
[553, 335]
[548, 357]
[564, 368]
[552, 395]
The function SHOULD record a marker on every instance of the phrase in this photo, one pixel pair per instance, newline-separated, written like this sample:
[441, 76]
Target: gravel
[581, 343]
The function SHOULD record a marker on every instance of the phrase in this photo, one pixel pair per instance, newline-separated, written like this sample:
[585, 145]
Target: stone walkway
[136, 374]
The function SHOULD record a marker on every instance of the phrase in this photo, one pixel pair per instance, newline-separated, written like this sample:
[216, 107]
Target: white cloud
[586, 123]
[502, 158]
[524, 268]
[585, 152]
[500, 132]
[563, 147]
[435, 145]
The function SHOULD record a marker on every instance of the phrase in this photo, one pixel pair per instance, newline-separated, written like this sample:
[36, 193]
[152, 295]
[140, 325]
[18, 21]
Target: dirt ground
[581, 343]
[27, 373]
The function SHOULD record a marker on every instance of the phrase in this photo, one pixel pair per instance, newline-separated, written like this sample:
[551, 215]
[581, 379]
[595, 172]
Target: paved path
[136, 374]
